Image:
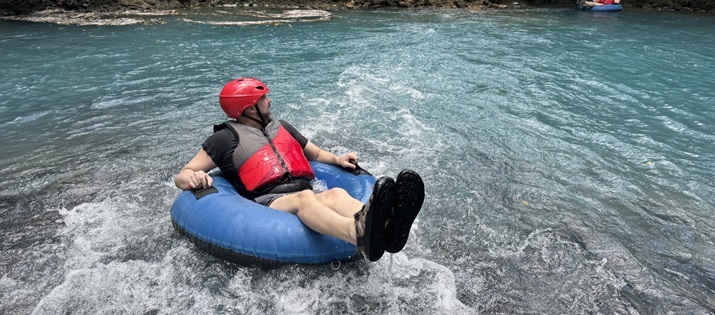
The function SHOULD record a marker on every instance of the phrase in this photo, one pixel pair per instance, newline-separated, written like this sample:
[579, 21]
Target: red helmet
[239, 94]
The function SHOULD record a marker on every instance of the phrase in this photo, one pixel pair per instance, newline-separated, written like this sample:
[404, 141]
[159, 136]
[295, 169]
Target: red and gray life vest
[266, 157]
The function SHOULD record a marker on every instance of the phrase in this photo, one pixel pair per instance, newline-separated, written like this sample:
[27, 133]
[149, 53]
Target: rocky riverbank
[85, 11]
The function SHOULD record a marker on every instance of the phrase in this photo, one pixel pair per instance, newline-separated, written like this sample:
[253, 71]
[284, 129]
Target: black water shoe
[410, 194]
[370, 221]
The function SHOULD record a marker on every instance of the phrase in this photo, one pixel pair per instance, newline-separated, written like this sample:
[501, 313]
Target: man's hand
[347, 161]
[199, 179]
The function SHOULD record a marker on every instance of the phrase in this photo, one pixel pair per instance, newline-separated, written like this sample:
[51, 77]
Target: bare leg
[337, 214]
[340, 201]
[318, 216]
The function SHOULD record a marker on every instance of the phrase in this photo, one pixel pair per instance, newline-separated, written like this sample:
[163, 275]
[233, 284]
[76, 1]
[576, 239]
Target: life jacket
[268, 157]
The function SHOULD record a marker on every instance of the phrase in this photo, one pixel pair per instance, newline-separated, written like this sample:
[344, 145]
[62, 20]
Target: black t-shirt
[220, 146]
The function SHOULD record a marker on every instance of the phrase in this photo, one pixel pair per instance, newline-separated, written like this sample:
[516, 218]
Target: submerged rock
[290, 16]
[64, 17]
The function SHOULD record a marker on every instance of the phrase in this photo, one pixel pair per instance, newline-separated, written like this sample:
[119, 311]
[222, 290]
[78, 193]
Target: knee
[336, 193]
[305, 196]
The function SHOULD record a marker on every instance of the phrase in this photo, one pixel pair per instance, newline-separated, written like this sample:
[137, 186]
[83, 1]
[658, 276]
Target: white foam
[29, 118]
[423, 284]
[319, 185]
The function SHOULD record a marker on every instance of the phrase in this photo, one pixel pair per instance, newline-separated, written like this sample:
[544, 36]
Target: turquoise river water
[568, 160]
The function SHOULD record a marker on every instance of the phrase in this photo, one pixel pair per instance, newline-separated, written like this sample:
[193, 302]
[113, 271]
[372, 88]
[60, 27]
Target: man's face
[264, 104]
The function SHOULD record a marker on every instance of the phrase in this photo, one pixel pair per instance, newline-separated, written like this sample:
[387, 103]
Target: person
[266, 160]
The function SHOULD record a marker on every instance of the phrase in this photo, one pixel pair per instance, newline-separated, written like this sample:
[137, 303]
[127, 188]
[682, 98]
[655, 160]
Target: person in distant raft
[266, 159]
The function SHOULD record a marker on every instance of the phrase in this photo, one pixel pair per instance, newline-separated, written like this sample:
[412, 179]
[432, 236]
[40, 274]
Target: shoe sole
[410, 194]
[381, 202]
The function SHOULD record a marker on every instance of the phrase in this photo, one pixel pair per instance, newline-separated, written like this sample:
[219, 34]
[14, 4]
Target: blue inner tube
[228, 226]
[602, 8]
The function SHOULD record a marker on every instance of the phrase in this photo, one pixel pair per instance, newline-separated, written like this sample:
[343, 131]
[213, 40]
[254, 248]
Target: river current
[568, 159]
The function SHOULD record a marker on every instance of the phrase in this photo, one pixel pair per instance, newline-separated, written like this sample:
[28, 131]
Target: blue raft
[228, 226]
[601, 8]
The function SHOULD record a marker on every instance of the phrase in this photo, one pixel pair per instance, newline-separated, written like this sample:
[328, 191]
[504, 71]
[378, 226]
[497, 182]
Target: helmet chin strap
[261, 122]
